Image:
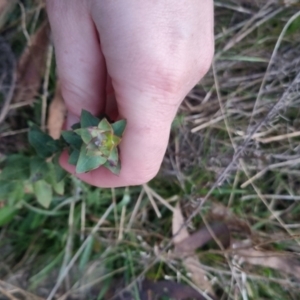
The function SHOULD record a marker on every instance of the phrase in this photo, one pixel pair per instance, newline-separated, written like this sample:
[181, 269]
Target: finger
[80, 63]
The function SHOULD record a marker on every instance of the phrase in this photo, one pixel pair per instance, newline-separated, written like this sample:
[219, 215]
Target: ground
[231, 171]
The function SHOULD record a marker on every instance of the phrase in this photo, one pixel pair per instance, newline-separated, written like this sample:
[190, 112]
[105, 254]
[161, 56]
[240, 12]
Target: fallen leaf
[56, 115]
[268, 259]
[190, 262]
[179, 234]
[32, 65]
[203, 236]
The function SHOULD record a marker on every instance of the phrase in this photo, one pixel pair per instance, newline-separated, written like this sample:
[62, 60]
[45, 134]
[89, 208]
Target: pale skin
[132, 59]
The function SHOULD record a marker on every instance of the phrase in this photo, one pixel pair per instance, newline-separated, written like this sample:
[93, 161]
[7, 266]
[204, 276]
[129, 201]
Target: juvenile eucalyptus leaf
[87, 163]
[58, 186]
[113, 163]
[113, 168]
[76, 126]
[119, 127]
[104, 125]
[55, 146]
[85, 134]
[38, 169]
[72, 138]
[87, 119]
[91, 143]
[113, 157]
[38, 140]
[43, 193]
[73, 158]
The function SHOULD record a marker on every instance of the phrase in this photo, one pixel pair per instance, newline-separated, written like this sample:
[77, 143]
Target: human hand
[134, 59]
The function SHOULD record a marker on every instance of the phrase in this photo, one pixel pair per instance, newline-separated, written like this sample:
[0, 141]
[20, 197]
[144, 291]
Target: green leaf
[113, 163]
[113, 157]
[12, 191]
[119, 127]
[87, 119]
[43, 193]
[6, 187]
[113, 168]
[38, 140]
[76, 126]
[6, 214]
[59, 187]
[72, 138]
[60, 173]
[17, 194]
[87, 163]
[85, 134]
[38, 169]
[86, 254]
[16, 168]
[73, 158]
[105, 125]
[55, 146]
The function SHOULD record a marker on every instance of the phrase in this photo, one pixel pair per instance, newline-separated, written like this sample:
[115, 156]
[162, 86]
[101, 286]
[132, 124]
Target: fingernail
[71, 119]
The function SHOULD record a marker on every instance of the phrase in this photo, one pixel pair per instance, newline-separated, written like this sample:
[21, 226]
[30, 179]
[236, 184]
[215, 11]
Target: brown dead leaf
[203, 236]
[57, 112]
[32, 65]
[270, 259]
[190, 262]
[177, 222]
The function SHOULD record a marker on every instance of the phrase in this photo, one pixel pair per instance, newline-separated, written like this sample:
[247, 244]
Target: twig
[207, 124]
[122, 221]
[7, 294]
[13, 132]
[23, 23]
[45, 87]
[152, 201]
[256, 25]
[160, 199]
[264, 201]
[274, 53]
[135, 210]
[276, 197]
[278, 137]
[268, 168]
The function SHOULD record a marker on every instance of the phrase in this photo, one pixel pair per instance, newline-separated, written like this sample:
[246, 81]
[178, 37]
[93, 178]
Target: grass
[255, 66]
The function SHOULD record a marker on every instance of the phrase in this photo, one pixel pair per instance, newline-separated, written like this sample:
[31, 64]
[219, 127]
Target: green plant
[91, 143]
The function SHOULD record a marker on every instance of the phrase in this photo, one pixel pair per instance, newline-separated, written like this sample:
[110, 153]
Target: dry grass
[233, 157]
